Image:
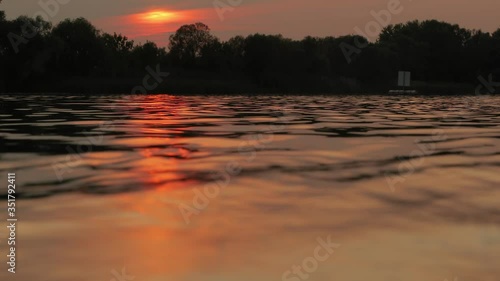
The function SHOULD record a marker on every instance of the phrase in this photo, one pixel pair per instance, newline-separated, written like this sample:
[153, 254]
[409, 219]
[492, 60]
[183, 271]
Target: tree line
[34, 54]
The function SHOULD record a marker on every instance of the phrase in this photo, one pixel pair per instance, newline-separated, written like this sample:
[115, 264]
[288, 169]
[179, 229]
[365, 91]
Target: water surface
[408, 186]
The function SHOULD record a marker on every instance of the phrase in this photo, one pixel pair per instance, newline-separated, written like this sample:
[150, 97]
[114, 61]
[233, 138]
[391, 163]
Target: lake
[160, 187]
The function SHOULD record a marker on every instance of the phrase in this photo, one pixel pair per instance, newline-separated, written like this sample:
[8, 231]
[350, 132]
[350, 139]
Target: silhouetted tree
[24, 50]
[234, 50]
[32, 53]
[432, 49]
[148, 54]
[314, 58]
[188, 42]
[82, 50]
[118, 49]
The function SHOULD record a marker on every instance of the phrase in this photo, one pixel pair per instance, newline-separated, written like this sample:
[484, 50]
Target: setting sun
[159, 16]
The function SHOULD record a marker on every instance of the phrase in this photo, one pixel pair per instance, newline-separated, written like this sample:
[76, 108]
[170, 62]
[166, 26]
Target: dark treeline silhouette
[74, 56]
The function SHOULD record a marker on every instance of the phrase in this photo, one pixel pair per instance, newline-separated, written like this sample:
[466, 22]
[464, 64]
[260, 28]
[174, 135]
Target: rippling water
[241, 188]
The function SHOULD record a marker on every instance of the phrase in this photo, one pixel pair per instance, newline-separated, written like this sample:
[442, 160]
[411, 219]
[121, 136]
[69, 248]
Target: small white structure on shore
[404, 80]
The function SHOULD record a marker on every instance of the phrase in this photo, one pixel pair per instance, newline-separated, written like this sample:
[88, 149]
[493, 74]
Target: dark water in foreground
[243, 188]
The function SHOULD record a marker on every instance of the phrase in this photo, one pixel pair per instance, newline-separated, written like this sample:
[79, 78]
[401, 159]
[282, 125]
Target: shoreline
[177, 82]
[189, 87]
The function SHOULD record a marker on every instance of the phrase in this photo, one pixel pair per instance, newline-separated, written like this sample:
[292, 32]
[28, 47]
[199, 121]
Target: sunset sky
[155, 19]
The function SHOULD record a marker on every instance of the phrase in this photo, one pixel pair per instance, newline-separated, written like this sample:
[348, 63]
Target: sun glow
[153, 23]
[159, 16]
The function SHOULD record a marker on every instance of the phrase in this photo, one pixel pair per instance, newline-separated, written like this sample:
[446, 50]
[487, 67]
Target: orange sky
[292, 18]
